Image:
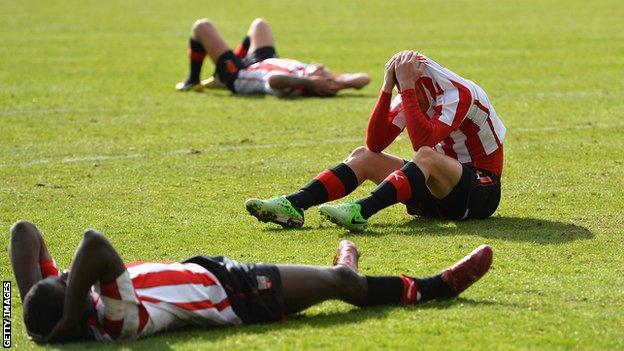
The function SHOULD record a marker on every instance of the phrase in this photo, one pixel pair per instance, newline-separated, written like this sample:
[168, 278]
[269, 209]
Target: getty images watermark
[6, 314]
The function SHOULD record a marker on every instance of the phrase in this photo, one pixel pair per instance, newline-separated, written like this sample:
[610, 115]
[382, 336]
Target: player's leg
[260, 35]
[205, 40]
[331, 184]
[428, 172]
[29, 255]
[305, 286]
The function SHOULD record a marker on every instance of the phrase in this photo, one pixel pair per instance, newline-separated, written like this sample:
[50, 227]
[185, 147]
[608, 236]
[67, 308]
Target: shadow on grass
[167, 340]
[536, 230]
[343, 95]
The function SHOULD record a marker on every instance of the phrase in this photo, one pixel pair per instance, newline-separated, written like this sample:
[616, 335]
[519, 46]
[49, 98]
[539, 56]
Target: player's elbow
[372, 146]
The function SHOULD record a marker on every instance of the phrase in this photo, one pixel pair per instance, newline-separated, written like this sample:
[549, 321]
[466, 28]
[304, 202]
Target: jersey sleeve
[124, 317]
[422, 131]
[382, 130]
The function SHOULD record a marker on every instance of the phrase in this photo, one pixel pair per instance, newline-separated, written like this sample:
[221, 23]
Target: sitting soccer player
[103, 299]
[454, 174]
[254, 67]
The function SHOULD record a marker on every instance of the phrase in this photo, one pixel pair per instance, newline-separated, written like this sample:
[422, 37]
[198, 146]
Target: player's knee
[202, 24]
[346, 279]
[360, 152]
[259, 22]
[20, 228]
[424, 156]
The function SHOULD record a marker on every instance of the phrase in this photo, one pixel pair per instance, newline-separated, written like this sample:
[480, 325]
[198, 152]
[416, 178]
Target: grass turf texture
[92, 134]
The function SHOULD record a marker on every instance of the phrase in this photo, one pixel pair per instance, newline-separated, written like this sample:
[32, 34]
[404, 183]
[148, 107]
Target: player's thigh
[374, 166]
[443, 172]
[260, 34]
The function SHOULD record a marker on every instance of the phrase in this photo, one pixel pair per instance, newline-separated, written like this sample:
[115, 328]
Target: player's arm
[422, 131]
[30, 257]
[320, 86]
[95, 260]
[380, 132]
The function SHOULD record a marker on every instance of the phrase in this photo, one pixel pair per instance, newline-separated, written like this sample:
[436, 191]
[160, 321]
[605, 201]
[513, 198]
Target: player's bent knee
[20, 227]
[259, 22]
[202, 24]
[424, 155]
[359, 152]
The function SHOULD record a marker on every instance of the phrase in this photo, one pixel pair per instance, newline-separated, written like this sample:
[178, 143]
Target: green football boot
[346, 215]
[277, 210]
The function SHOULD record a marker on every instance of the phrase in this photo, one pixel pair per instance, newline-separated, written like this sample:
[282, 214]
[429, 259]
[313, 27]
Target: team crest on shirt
[264, 283]
[483, 179]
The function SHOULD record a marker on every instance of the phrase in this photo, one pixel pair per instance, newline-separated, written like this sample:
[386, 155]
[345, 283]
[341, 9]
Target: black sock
[399, 186]
[197, 54]
[383, 291]
[329, 185]
[433, 287]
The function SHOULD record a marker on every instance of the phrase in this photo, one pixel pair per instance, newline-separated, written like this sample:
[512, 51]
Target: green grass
[92, 134]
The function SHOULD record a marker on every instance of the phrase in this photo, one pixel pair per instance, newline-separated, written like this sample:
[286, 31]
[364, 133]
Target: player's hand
[324, 86]
[389, 79]
[408, 69]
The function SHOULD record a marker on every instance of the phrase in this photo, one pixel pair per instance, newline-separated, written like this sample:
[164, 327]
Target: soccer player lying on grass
[454, 174]
[254, 67]
[103, 299]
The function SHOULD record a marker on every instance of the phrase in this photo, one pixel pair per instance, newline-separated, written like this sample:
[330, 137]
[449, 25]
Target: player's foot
[212, 83]
[346, 215]
[347, 255]
[188, 85]
[353, 80]
[277, 210]
[468, 270]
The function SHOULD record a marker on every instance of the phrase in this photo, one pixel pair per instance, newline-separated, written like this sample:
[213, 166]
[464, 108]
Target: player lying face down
[454, 173]
[103, 299]
[255, 68]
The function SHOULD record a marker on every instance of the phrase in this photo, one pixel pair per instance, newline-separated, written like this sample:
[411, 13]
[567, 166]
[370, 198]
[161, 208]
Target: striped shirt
[150, 297]
[255, 78]
[459, 120]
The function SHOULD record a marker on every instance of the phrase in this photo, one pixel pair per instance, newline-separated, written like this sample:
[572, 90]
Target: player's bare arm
[313, 85]
[95, 260]
[28, 251]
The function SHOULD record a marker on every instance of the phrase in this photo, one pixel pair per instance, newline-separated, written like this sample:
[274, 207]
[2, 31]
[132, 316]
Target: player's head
[43, 307]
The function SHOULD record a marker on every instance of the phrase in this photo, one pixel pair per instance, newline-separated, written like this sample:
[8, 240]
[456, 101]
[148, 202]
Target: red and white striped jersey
[150, 297]
[476, 132]
[255, 78]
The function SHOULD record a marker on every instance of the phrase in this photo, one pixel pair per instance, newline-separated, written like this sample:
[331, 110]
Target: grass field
[92, 134]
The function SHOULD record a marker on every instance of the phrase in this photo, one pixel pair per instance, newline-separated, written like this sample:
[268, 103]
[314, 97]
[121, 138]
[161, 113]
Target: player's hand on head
[389, 75]
[408, 69]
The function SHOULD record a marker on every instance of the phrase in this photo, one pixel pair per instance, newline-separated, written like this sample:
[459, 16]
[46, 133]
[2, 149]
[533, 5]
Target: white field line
[222, 148]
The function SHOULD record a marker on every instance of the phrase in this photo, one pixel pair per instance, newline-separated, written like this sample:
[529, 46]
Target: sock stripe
[196, 55]
[410, 290]
[333, 185]
[401, 184]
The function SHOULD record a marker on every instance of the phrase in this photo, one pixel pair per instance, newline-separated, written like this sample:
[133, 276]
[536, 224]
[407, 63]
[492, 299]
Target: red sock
[410, 290]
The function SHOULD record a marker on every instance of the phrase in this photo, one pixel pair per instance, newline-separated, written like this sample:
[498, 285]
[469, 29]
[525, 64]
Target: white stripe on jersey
[183, 293]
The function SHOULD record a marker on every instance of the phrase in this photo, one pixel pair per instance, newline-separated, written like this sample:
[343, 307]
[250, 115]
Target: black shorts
[476, 196]
[228, 64]
[254, 290]
[260, 54]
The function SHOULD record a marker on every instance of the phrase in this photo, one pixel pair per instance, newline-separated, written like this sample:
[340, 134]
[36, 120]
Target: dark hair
[43, 307]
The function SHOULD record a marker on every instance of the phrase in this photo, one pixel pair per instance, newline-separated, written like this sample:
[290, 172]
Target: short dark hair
[43, 307]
